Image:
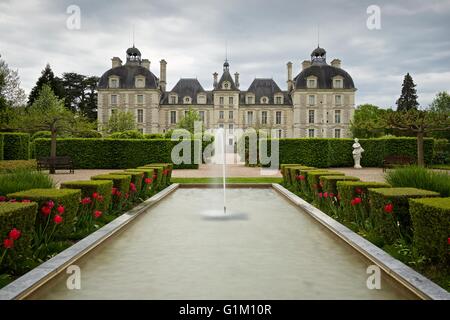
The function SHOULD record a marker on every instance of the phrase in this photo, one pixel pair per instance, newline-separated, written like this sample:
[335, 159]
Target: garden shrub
[41, 134]
[154, 136]
[421, 178]
[149, 173]
[16, 145]
[114, 153]
[284, 172]
[87, 134]
[158, 172]
[313, 178]
[308, 152]
[88, 188]
[431, 228]
[329, 183]
[7, 166]
[293, 175]
[167, 170]
[120, 182]
[303, 187]
[24, 179]
[129, 134]
[136, 178]
[389, 207]
[20, 216]
[68, 198]
[1, 147]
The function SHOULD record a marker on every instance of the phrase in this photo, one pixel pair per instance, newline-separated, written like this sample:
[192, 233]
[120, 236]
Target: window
[311, 116]
[221, 115]
[338, 83]
[113, 99]
[221, 101]
[279, 100]
[337, 116]
[278, 117]
[140, 116]
[250, 100]
[279, 133]
[311, 100]
[173, 99]
[230, 100]
[230, 127]
[173, 117]
[187, 100]
[140, 98]
[249, 117]
[264, 100]
[338, 100]
[201, 99]
[311, 83]
[311, 133]
[202, 115]
[230, 115]
[139, 83]
[337, 133]
[226, 85]
[221, 125]
[264, 117]
[114, 83]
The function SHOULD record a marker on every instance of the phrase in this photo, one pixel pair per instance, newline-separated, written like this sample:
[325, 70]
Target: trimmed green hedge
[120, 181]
[330, 152]
[329, 183]
[158, 171]
[16, 145]
[431, 225]
[284, 172]
[89, 187]
[13, 165]
[148, 173]
[313, 178]
[1, 147]
[303, 185]
[390, 210]
[69, 198]
[113, 153]
[21, 216]
[136, 178]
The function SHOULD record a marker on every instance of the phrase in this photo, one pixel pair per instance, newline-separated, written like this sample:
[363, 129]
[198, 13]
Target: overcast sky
[262, 36]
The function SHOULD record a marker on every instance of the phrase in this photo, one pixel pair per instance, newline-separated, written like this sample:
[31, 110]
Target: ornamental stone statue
[357, 151]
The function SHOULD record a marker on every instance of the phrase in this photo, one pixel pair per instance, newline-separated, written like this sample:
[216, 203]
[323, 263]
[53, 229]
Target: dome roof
[318, 52]
[127, 74]
[133, 51]
[324, 74]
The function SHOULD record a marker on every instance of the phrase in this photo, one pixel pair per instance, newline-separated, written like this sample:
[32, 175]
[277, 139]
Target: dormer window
[279, 99]
[201, 99]
[250, 100]
[338, 83]
[113, 82]
[140, 82]
[187, 100]
[312, 82]
[264, 100]
[173, 99]
[226, 85]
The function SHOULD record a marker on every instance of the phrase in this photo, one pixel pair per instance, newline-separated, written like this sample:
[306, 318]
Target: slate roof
[226, 76]
[265, 87]
[187, 87]
[324, 73]
[127, 74]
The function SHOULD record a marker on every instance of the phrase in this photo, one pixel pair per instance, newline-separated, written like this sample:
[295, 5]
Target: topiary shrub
[294, 177]
[98, 191]
[431, 228]
[158, 174]
[19, 216]
[313, 178]
[150, 179]
[120, 182]
[303, 186]
[329, 183]
[389, 207]
[49, 200]
[166, 173]
[284, 172]
[136, 180]
[16, 146]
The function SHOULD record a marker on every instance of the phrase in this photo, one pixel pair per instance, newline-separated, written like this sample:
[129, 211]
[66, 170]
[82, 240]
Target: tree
[47, 78]
[441, 102]
[408, 97]
[364, 122]
[121, 121]
[420, 122]
[48, 113]
[80, 93]
[11, 94]
[188, 121]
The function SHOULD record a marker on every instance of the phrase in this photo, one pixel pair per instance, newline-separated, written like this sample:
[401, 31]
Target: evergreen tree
[47, 78]
[408, 98]
[80, 93]
[11, 93]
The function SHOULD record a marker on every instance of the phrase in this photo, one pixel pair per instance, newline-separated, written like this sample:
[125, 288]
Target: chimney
[215, 75]
[236, 79]
[289, 76]
[145, 63]
[116, 62]
[162, 77]
[336, 63]
[306, 64]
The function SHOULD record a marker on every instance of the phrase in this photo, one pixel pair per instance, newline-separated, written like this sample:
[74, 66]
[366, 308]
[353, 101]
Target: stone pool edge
[33, 279]
[411, 279]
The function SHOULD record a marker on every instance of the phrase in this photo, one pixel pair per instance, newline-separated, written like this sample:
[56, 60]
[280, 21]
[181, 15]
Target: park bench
[58, 163]
[392, 161]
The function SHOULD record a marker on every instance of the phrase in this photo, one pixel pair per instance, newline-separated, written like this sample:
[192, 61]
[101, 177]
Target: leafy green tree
[47, 78]
[11, 94]
[441, 103]
[187, 122]
[364, 122]
[408, 97]
[121, 121]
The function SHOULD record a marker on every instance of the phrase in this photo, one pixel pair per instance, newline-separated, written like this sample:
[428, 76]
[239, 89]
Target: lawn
[210, 180]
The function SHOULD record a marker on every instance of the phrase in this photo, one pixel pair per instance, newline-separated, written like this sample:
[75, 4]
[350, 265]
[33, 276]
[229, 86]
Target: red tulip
[57, 219]
[358, 190]
[60, 209]
[2, 198]
[325, 194]
[118, 193]
[13, 200]
[127, 195]
[331, 195]
[8, 243]
[100, 198]
[14, 234]
[114, 191]
[50, 204]
[46, 210]
[355, 201]
[302, 178]
[448, 240]
[297, 178]
[95, 195]
[132, 187]
[26, 201]
[148, 181]
[388, 208]
[155, 176]
[320, 194]
[86, 200]
[97, 214]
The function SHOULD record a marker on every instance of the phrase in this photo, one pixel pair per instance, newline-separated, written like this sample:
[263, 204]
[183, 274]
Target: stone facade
[318, 102]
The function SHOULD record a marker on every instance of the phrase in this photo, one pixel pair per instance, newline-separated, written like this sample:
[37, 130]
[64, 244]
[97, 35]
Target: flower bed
[96, 191]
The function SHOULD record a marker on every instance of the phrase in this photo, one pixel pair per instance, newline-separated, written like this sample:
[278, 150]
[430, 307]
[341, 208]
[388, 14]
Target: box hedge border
[88, 187]
[16, 146]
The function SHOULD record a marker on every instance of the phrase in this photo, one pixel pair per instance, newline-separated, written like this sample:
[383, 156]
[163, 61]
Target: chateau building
[318, 102]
